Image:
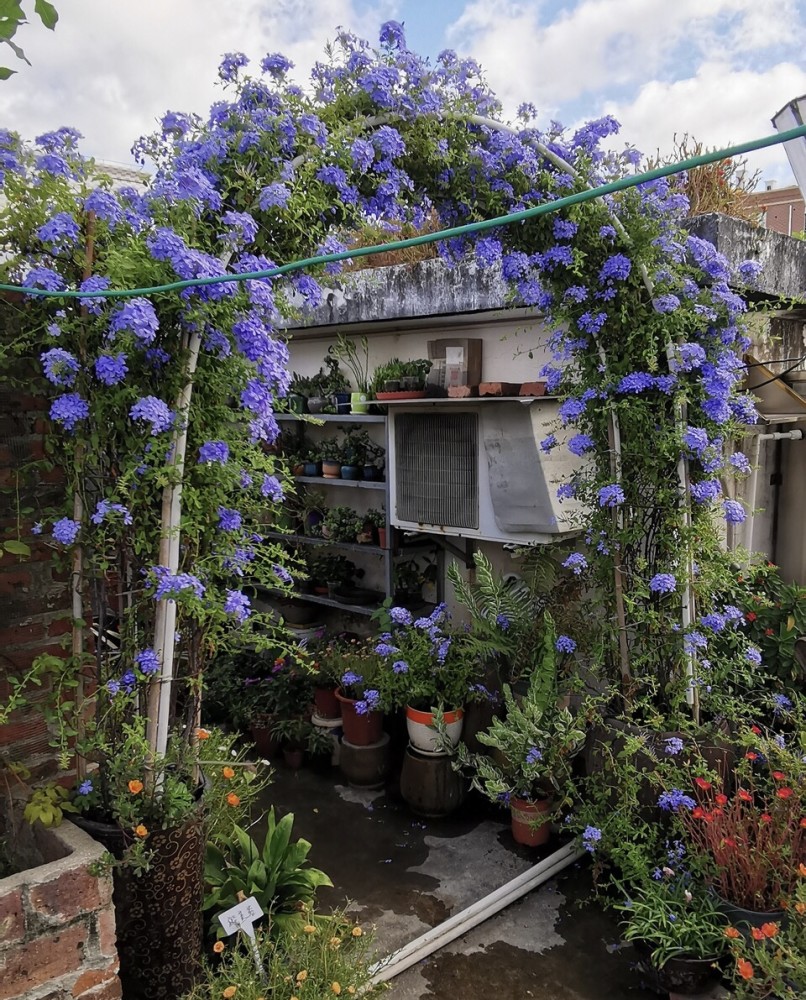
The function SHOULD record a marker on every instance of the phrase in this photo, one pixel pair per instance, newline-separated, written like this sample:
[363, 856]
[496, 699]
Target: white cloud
[111, 68]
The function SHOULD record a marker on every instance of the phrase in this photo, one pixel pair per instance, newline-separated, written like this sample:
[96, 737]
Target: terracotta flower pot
[326, 702]
[360, 730]
[423, 735]
[331, 470]
[529, 823]
[266, 745]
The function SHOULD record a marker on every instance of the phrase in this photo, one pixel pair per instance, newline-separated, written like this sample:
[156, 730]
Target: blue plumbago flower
[488, 251]
[732, 613]
[69, 409]
[95, 283]
[276, 64]
[696, 440]
[386, 649]
[663, 583]
[153, 411]
[740, 462]
[753, 655]
[113, 687]
[274, 195]
[110, 368]
[635, 382]
[105, 206]
[400, 616]
[84, 788]
[148, 662]
[673, 746]
[129, 681]
[61, 230]
[237, 604]
[714, 621]
[616, 268]
[566, 491]
[60, 366]
[705, 491]
[607, 232]
[214, 451]
[666, 303]
[350, 679]
[52, 163]
[37, 528]
[576, 562]
[548, 443]
[136, 316]
[369, 702]
[270, 487]
[400, 667]
[733, 511]
[675, 799]
[282, 573]
[442, 648]
[575, 293]
[611, 496]
[230, 64]
[245, 480]
[241, 229]
[572, 409]
[592, 323]
[170, 585]
[694, 640]
[782, 703]
[672, 916]
[43, 277]
[749, 270]
[533, 755]
[502, 621]
[105, 507]
[564, 229]
[580, 443]
[591, 837]
[229, 519]
[657, 874]
[66, 530]
[565, 644]
[392, 34]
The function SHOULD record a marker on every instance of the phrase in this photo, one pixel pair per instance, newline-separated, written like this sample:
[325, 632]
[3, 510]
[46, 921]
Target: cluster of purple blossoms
[565, 644]
[663, 583]
[753, 655]
[105, 507]
[282, 574]
[400, 616]
[548, 443]
[66, 530]
[237, 604]
[706, 491]
[214, 451]
[502, 622]
[136, 316]
[61, 230]
[271, 488]
[580, 443]
[673, 746]
[675, 799]
[590, 838]
[105, 206]
[69, 409]
[400, 667]
[229, 519]
[92, 303]
[153, 411]
[148, 662]
[60, 366]
[533, 755]
[576, 562]
[611, 496]
[111, 369]
[369, 703]
[734, 512]
[170, 585]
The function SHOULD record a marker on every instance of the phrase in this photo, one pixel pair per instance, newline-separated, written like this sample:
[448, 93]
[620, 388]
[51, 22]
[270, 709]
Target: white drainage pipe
[460, 923]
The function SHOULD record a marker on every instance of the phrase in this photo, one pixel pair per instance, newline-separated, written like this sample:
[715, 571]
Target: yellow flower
[218, 947]
[351, 990]
[335, 988]
[309, 929]
[230, 991]
[135, 787]
[141, 831]
[800, 908]
[228, 772]
[356, 931]
[233, 800]
[302, 976]
[335, 942]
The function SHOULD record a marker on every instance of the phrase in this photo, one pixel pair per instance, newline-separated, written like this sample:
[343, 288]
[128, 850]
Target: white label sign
[241, 917]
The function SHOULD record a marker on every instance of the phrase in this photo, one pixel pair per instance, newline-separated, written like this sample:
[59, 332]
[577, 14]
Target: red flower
[784, 793]
[751, 755]
[751, 616]
[768, 631]
[779, 775]
[721, 800]
[758, 933]
[744, 968]
[769, 930]
[698, 812]
[703, 784]
[729, 842]
[766, 818]
[744, 795]
[756, 730]
[803, 823]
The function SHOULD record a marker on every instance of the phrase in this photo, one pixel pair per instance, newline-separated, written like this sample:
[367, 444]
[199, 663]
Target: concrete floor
[404, 875]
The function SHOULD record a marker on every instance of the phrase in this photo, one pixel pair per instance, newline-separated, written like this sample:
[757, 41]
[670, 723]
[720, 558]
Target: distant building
[123, 176]
[782, 209]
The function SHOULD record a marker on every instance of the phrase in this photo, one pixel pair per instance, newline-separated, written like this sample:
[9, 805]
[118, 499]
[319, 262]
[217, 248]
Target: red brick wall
[57, 925]
[34, 598]
[784, 209]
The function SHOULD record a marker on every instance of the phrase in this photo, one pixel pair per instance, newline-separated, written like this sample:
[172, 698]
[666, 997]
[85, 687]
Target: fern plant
[277, 874]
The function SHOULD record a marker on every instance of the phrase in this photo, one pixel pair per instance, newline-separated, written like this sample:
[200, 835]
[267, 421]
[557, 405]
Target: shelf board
[362, 484]
[469, 401]
[331, 602]
[280, 536]
[333, 418]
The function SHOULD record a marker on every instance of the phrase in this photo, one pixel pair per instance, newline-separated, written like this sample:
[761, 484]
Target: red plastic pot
[327, 704]
[527, 827]
[360, 730]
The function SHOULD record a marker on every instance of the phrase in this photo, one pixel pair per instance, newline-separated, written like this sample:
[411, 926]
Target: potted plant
[355, 357]
[299, 735]
[341, 524]
[300, 389]
[330, 453]
[677, 927]
[413, 374]
[335, 384]
[324, 664]
[386, 377]
[428, 669]
[360, 692]
[375, 520]
[534, 742]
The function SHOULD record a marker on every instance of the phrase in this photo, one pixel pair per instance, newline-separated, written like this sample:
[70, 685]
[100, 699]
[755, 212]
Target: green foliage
[341, 524]
[355, 357]
[48, 805]
[276, 874]
[12, 16]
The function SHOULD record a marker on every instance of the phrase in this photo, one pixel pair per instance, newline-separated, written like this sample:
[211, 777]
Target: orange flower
[800, 908]
[703, 784]
[356, 931]
[141, 831]
[744, 795]
[732, 933]
[135, 787]
[233, 800]
[202, 734]
[751, 755]
[784, 793]
[779, 775]
[228, 772]
[218, 947]
[744, 968]
[230, 991]
[758, 933]
[721, 800]
[801, 866]
[729, 842]
[769, 930]
[335, 988]
[803, 822]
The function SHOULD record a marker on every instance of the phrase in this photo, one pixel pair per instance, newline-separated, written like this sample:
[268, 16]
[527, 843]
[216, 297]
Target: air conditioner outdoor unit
[477, 471]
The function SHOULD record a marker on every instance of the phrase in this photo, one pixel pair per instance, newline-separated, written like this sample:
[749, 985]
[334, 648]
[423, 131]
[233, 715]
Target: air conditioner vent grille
[437, 473]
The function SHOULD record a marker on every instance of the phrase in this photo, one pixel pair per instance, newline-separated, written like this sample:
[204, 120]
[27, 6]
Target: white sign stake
[241, 918]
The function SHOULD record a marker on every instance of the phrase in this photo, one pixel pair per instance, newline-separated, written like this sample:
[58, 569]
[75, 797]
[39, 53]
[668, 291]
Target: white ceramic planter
[423, 735]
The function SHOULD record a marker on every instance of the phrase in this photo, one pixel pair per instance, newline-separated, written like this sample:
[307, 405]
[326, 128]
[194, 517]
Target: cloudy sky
[715, 69]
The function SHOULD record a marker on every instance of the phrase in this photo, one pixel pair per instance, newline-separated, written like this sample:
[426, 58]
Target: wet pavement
[405, 874]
